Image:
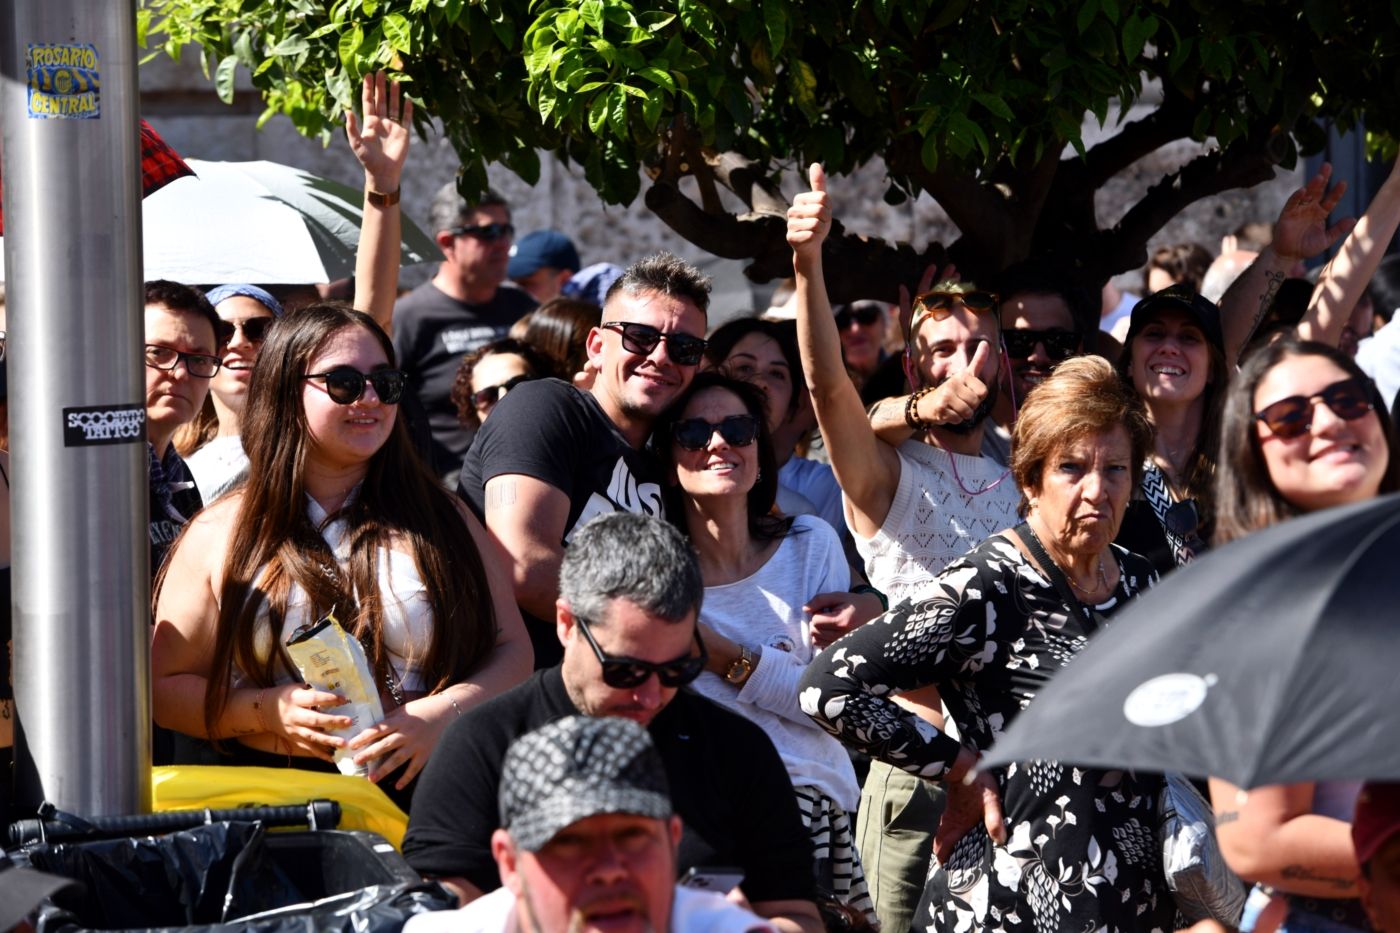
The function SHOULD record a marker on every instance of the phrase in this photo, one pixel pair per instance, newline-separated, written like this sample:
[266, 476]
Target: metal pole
[77, 399]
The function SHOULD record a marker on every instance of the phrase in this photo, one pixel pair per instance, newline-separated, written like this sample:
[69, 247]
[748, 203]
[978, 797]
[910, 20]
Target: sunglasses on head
[642, 339]
[487, 232]
[696, 433]
[346, 385]
[865, 315]
[1059, 344]
[1292, 417]
[623, 673]
[254, 328]
[939, 305]
[485, 398]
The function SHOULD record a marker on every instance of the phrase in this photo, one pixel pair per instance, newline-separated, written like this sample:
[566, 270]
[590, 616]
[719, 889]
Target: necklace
[953, 458]
[1103, 580]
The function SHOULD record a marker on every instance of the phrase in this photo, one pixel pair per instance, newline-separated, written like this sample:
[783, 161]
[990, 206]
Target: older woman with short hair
[1078, 844]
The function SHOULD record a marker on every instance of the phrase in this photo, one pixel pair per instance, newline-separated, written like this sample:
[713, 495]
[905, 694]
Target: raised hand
[956, 399]
[809, 218]
[381, 141]
[1301, 231]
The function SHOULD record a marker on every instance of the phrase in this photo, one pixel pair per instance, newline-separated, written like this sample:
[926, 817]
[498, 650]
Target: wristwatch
[741, 667]
[382, 199]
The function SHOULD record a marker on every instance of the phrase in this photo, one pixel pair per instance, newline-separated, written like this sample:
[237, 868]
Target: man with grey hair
[630, 593]
[553, 455]
[459, 309]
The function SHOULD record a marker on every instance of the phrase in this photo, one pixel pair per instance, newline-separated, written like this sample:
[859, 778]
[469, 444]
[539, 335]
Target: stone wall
[180, 103]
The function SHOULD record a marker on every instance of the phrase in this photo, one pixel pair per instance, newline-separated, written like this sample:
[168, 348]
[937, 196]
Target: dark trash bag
[235, 876]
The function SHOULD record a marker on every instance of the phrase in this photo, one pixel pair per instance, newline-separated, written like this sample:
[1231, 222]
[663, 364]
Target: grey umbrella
[1271, 660]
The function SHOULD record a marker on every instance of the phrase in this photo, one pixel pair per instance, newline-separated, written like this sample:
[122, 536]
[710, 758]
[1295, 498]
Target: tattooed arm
[1300, 233]
[1270, 835]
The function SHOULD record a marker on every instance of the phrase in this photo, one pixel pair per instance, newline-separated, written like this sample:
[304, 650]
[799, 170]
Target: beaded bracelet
[911, 409]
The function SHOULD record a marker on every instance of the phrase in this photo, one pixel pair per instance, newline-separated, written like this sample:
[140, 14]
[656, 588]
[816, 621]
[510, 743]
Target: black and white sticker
[104, 424]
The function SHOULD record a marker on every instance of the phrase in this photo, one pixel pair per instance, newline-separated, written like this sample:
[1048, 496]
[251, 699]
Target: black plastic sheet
[235, 876]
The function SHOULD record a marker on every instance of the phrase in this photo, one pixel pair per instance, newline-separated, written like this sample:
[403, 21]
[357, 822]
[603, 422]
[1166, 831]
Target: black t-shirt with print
[432, 332]
[727, 785]
[558, 434]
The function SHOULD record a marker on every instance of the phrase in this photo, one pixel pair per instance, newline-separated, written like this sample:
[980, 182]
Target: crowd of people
[643, 598]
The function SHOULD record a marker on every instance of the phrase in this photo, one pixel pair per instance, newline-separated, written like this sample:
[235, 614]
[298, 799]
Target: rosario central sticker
[1164, 700]
[63, 82]
[104, 424]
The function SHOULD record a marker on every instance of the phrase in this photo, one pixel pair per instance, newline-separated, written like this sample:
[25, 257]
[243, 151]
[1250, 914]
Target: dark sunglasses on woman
[1059, 344]
[696, 433]
[623, 673]
[642, 339]
[864, 315]
[485, 398]
[254, 328]
[346, 385]
[1292, 417]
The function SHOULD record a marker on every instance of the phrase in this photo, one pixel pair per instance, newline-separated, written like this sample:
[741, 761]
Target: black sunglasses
[1183, 520]
[1059, 344]
[1292, 417]
[196, 364]
[485, 398]
[623, 673]
[346, 385]
[487, 232]
[864, 315]
[696, 433]
[642, 339]
[254, 328]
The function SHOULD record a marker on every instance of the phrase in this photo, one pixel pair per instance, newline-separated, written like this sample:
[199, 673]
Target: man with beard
[912, 508]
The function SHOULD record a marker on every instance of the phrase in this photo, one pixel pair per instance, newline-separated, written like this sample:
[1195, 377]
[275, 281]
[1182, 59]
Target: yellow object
[193, 787]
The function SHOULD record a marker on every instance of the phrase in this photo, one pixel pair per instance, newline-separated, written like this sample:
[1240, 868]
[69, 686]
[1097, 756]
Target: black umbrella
[1271, 660]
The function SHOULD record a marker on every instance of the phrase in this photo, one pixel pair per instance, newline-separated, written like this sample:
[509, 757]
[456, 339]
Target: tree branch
[856, 266]
[1169, 122]
[1124, 246]
[748, 181]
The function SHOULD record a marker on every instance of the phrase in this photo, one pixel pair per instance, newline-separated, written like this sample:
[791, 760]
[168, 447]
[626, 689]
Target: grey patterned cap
[575, 768]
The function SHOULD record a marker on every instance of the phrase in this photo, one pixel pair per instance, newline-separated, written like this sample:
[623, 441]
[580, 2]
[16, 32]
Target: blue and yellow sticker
[63, 82]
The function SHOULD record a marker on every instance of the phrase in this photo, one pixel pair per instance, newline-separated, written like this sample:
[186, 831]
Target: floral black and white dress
[1081, 854]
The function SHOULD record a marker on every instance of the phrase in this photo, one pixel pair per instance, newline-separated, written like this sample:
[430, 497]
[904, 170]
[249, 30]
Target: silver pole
[77, 399]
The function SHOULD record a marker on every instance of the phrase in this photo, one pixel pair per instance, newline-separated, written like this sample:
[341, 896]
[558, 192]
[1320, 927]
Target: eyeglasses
[485, 398]
[642, 339]
[696, 433]
[1292, 417]
[254, 328]
[1183, 520]
[864, 315]
[167, 358]
[488, 232]
[1059, 344]
[622, 673]
[346, 385]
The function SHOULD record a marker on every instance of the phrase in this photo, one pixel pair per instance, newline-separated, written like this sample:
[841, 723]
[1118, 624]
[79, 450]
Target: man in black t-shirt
[630, 595]
[552, 456]
[461, 308]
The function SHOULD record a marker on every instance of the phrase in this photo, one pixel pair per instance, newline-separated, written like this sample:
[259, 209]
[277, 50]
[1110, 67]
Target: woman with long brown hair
[337, 515]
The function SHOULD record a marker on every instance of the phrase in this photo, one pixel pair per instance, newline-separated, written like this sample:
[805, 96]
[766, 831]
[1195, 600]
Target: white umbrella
[259, 222]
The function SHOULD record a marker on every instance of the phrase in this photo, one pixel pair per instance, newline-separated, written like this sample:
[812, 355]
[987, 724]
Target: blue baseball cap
[540, 249]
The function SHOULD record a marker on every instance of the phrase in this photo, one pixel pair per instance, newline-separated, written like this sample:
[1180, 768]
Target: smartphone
[718, 878]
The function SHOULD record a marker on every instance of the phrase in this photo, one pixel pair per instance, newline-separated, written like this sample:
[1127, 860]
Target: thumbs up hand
[809, 218]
